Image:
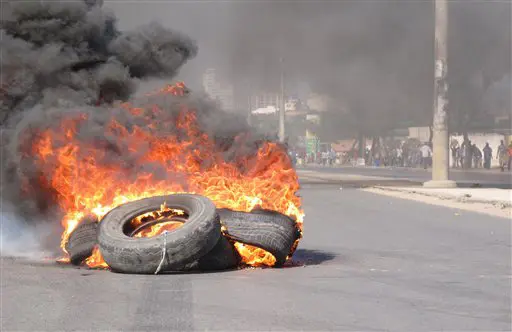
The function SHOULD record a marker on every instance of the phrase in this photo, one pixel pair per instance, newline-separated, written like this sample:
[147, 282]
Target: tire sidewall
[191, 241]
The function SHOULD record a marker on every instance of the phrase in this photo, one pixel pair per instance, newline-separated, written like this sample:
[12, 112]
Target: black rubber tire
[184, 245]
[81, 242]
[222, 257]
[268, 230]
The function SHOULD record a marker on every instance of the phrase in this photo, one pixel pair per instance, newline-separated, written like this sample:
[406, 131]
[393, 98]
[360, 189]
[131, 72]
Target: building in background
[265, 100]
[219, 90]
[267, 103]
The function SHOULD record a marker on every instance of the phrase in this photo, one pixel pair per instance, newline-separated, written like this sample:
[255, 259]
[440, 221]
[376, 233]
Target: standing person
[462, 155]
[376, 157]
[509, 155]
[426, 152]
[293, 157]
[385, 156]
[333, 157]
[367, 159]
[463, 152]
[468, 154]
[458, 157]
[501, 155]
[325, 157]
[487, 156]
[405, 155]
[399, 157]
[477, 156]
[454, 146]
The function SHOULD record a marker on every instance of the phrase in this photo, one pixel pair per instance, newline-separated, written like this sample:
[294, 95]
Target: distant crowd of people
[325, 158]
[413, 154]
[468, 155]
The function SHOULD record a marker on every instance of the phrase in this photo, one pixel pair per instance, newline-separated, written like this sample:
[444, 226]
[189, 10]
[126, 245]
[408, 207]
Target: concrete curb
[413, 169]
[307, 174]
[464, 198]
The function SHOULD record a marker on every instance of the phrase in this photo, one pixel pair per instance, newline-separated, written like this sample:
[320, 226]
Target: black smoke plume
[376, 58]
[57, 57]
[66, 60]
[71, 51]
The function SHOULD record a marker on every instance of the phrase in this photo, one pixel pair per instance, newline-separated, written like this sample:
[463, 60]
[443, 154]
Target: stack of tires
[199, 244]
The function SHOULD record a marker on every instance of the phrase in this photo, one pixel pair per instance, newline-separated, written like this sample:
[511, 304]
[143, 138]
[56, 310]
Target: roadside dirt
[485, 208]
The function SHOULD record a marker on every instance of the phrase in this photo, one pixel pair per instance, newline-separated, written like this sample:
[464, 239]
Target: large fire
[83, 184]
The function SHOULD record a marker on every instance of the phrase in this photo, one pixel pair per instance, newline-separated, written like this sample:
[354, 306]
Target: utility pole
[281, 106]
[440, 151]
[362, 150]
[249, 113]
[249, 103]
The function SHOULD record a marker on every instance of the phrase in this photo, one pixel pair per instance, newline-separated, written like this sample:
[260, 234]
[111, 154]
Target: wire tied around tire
[164, 253]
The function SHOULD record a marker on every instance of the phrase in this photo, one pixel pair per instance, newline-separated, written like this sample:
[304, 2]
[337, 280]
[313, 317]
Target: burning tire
[81, 242]
[222, 257]
[268, 230]
[165, 252]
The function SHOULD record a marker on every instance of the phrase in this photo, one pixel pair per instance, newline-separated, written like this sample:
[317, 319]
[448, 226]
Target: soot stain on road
[305, 257]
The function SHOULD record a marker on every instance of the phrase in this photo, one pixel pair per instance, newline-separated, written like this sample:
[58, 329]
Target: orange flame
[159, 228]
[83, 184]
[254, 256]
[96, 260]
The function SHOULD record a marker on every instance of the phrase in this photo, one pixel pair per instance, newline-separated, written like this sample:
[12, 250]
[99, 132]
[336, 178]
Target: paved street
[371, 263]
[490, 178]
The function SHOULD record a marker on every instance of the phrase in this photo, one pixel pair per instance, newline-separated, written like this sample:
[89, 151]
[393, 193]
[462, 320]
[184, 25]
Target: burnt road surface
[492, 178]
[367, 262]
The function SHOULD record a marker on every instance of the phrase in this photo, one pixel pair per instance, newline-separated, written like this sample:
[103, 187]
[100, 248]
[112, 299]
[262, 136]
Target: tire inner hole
[154, 223]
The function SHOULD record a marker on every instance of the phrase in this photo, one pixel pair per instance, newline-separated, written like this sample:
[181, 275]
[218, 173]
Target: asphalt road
[370, 262]
[492, 178]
